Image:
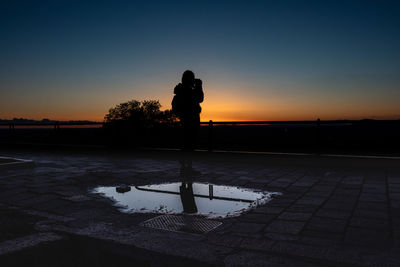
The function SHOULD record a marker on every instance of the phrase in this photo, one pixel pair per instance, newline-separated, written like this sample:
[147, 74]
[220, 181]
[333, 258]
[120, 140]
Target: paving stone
[373, 197]
[310, 201]
[327, 224]
[371, 213]
[302, 208]
[339, 205]
[350, 199]
[280, 201]
[372, 206]
[245, 258]
[394, 196]
[249, 228]
[302, 250]
[316, 241]
[292, 229]
[304, 183]
[281, 237]
[297, 189]
[334, 214]
[257, 217]
[57, 206]
[18, 199]
[285, 227]
[257, 243]
[332, 236]
[366, 237]
[224, 240]
[395, 204]
[353, 180]
[323, 188]
[362, 222]
[295, 216]
[317, 194]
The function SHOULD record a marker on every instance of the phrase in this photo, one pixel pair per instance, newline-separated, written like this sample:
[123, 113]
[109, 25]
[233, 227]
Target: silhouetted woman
[186, 105]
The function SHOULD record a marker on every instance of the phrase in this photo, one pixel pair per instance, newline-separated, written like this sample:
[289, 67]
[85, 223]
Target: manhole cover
[187, 224]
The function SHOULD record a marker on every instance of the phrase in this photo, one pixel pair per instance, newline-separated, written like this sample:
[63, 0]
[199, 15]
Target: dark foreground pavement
[332, 211]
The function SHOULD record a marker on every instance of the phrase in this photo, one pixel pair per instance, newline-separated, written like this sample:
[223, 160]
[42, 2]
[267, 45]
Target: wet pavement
[327, 214]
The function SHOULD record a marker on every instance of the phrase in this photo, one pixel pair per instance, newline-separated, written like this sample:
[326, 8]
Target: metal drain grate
[187, 224]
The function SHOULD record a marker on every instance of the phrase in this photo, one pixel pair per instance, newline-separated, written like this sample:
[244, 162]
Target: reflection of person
[186, 188]
[186, 105]
[187, 198]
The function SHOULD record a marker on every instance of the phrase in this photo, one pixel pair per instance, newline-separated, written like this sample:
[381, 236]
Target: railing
[316, 123]
[56, 125]
[211, 124]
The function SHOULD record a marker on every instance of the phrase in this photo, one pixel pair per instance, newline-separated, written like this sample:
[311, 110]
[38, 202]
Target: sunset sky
[259, 60]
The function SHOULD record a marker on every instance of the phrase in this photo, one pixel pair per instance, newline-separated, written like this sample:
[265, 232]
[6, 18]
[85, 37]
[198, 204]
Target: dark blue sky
[258, 59]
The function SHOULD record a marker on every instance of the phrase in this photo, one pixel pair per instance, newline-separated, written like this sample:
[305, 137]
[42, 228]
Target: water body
[212, 201]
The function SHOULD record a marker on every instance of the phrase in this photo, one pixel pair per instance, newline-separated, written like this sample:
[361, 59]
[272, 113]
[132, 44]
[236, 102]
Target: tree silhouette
[137, 116]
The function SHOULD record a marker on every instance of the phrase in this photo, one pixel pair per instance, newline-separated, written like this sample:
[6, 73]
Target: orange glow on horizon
[223, 102]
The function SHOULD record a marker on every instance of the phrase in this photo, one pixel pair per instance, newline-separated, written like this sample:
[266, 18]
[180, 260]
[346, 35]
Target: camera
[197, 82]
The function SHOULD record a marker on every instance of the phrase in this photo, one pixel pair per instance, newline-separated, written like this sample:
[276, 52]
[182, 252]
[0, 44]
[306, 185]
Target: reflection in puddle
[194, 198]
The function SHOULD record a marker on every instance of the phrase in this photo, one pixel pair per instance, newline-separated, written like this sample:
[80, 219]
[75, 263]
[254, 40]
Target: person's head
[188, 78]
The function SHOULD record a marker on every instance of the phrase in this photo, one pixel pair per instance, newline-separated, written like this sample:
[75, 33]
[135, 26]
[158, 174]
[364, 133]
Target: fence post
[318, 136]
[11, 127]
[210, 135]
[56, 126]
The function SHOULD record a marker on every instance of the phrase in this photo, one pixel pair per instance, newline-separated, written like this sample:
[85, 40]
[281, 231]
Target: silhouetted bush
[138, 117]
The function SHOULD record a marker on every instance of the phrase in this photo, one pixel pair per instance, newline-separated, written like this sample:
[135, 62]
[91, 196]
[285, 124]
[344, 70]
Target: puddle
[212, 201]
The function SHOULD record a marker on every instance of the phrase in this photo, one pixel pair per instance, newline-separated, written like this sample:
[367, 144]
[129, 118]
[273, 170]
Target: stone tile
[245, 258]
[339, 205]
[295, 216]
[296, 249]
[317, 194]
[304, 183]
[349, 199]
[353, 180]
[280, 201]
[334, 214]
[327, 224]
[395, 204]
[332, 236]
[258, 243]
[40, 198]
[224, 240]
[269, 210]
[249, 228]
[394, 196]
[297, 189]
[281, 237]
[372, 206]
[373, 197]
[257, 217]
[362, 222]
[302, 208]
[368, 238]
[323, 188]
[371, 214]
[310, 201]
[318, 241]
[18, 199]
[57, 206]
[285, 227]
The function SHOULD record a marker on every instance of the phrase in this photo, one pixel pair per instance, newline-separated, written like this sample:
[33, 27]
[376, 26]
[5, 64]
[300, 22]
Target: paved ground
[330, 212]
